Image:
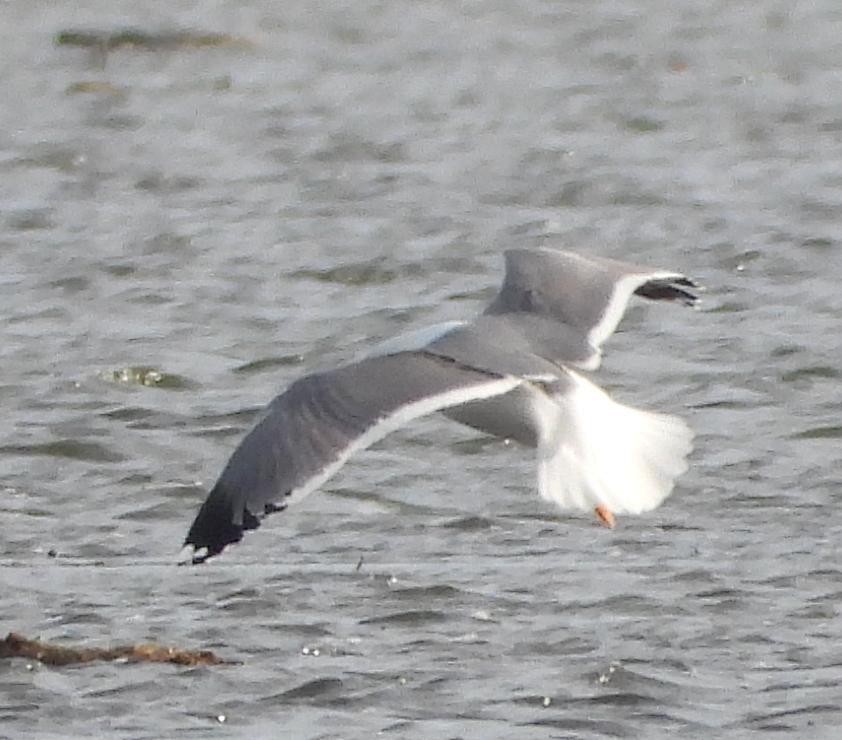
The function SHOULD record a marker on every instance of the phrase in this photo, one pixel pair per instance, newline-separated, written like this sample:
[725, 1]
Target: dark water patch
[569, 646]
[818, 243]
[807, 373]
[57, 156]
[135, 417]
[537, 228]
[675, 527]
[468, 524]
[314, 690]
[455, 264]
[671, 724]
[178, 491]
[822, 432]
[475, 445]
[411, 618]
[165, 242]
[353, 274]
[642, 124]
[11, 712]
[300, 629]
[748, 401]
[427, 593]
[34, 219]
[625, 604]
[95, 553]
[247, 603]
[571, 194]
[672, 664]
[244, 593]
[84, 616]
[245, 416]
[825, 210]
[832, 574]
[129, 413]
[382, 501]
[157, 182]
[72, 283]
[759, 638]
[325, 693]
[621, 699]
[346, 147]
[133, 38]
[718, 602]
[120, 269]
[155, 512]
[391, 316]
[481, 295]
[755, 500]
[717, 593]
[729, 307]
[266, 364]
[28, 511]
[401, 728]
[786, 350]
[831, 126]
[633, 195]
[768, 721]
[383, 272]
[95, 87]
[118, 122]
[779, 581]
[582, 727]
[72, 449]
[822, 611]
[220, 432]
[248, 607]
[130, 689]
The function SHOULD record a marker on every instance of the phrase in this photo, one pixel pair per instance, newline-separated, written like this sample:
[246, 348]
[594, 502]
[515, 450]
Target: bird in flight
[514, 372]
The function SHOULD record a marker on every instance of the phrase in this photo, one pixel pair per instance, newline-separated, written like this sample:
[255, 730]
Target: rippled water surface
[186, 226]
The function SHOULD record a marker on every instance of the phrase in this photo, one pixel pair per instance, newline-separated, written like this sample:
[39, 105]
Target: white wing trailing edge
[311, 430]
[654, 285]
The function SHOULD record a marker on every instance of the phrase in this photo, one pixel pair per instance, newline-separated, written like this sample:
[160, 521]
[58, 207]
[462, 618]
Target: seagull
[514, 372]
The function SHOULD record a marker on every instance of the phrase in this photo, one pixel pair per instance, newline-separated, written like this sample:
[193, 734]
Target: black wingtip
[214, 528]
[678, 288]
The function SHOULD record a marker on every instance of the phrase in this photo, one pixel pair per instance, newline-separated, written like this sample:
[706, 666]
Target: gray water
[185, 229]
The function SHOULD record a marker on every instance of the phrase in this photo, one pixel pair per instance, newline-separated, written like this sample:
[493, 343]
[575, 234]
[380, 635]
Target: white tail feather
[594, 451]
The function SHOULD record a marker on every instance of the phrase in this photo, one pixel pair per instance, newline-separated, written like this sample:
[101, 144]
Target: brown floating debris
[18, 646]
[133, 38]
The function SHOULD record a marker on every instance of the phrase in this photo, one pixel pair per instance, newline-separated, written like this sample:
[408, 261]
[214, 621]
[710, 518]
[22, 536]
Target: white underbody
[591, 450]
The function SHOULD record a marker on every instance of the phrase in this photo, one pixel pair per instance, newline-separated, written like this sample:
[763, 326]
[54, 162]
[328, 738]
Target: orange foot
[606, 516]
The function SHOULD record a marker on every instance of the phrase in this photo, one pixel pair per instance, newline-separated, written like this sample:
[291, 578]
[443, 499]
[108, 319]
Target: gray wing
[585, 294]
[507, 344]
[311, 429]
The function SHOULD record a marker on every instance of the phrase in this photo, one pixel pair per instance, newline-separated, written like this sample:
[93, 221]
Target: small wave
[72, 449]
[413, 617]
